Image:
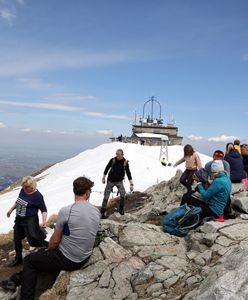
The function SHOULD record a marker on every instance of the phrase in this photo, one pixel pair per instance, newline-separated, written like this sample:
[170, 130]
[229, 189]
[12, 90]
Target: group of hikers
[76, 227]
[71, 244]
[214, 181]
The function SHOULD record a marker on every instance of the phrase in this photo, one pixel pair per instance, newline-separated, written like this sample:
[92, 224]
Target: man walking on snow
[116, 169]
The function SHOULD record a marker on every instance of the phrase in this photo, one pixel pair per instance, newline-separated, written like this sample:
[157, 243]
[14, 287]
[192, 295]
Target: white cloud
[103, 115]
[194, 137]
[25, 62]
[47, 131]
[2, 125]
[26, 129]
[41, 105]
[62, 107]
[7, 16]
[68, 97]
[33, 83]
[105, 132]
[222, 138]
[8, 10]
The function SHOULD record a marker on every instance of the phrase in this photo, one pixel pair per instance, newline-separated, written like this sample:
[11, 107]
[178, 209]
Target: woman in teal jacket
[214, 199]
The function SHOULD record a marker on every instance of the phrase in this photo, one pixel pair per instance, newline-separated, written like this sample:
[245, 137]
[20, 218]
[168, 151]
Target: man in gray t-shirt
[83, 223]
[72, 242]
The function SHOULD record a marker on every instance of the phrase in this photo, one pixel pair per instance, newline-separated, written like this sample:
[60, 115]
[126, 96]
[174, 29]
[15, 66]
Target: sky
[74, 73]
[55, 183]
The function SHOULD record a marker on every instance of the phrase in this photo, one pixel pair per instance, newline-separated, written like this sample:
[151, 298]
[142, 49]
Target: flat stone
[90, 274]
[192, 280]
[199, 260]
[149, 253]
[113, 251]
[76, 291]
[207, 255]
[237, 232]
[209, 238]
[95, 257]
[224, 241]
[133, 296]
[170, 281]
[105, 279]
[173, 263]
[141, 277]
[136, 234]
[154, 288]
[162, 276]
[111, 228]
[122, 274]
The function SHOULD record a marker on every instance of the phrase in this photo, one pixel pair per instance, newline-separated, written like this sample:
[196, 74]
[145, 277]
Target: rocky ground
[134, 259]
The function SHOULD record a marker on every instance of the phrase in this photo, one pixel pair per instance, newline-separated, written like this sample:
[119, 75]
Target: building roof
[152, 135]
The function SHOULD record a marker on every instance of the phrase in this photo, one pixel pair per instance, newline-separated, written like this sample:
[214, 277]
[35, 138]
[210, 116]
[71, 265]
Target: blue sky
[75, 72]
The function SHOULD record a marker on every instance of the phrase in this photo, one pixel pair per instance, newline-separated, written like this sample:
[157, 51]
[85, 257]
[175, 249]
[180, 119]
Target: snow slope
[56, 182]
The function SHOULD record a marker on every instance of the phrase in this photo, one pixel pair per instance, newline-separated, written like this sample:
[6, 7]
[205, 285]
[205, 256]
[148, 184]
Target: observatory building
[150, 129]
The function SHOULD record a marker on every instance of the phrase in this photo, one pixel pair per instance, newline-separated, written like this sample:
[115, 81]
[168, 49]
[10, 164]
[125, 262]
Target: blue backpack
[181, 219]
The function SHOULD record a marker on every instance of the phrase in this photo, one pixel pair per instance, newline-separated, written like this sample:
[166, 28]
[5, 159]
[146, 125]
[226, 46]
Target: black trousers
[191, 200]
[20, 232]
[186, 179]
[43, 261]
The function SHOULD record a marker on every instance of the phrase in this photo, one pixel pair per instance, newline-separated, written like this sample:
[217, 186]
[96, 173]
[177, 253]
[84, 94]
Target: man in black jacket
[116, 169]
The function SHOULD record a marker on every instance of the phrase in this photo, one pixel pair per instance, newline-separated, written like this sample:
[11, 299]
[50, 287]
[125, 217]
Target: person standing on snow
[116, 169]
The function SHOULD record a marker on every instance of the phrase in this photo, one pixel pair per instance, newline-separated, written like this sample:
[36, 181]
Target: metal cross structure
[164, 148]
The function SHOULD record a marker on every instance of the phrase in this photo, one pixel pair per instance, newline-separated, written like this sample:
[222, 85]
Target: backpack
[124, 164]
[181, 219]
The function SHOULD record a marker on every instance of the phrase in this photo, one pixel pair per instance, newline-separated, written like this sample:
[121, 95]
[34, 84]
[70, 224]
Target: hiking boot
[14, 263]
[121, 207]
[121, 211]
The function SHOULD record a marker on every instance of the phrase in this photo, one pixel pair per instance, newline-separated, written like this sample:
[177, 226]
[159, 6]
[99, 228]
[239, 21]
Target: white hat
[217, 166]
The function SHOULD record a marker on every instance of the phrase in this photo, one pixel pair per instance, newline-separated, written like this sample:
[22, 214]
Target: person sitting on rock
[215, 197]
[235, 160]
[218, 154]
[192, 163]
[244, 153]
[72, 242]
[236, 144]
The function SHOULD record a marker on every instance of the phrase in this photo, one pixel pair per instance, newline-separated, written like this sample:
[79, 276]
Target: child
[192, 163]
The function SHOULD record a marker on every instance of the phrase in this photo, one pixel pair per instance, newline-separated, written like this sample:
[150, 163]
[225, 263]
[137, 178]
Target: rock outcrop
[136, 260]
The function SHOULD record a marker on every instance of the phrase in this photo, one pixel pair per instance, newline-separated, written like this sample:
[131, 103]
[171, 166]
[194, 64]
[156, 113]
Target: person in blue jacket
[214, 199]
[218, 154]
[235, 160]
